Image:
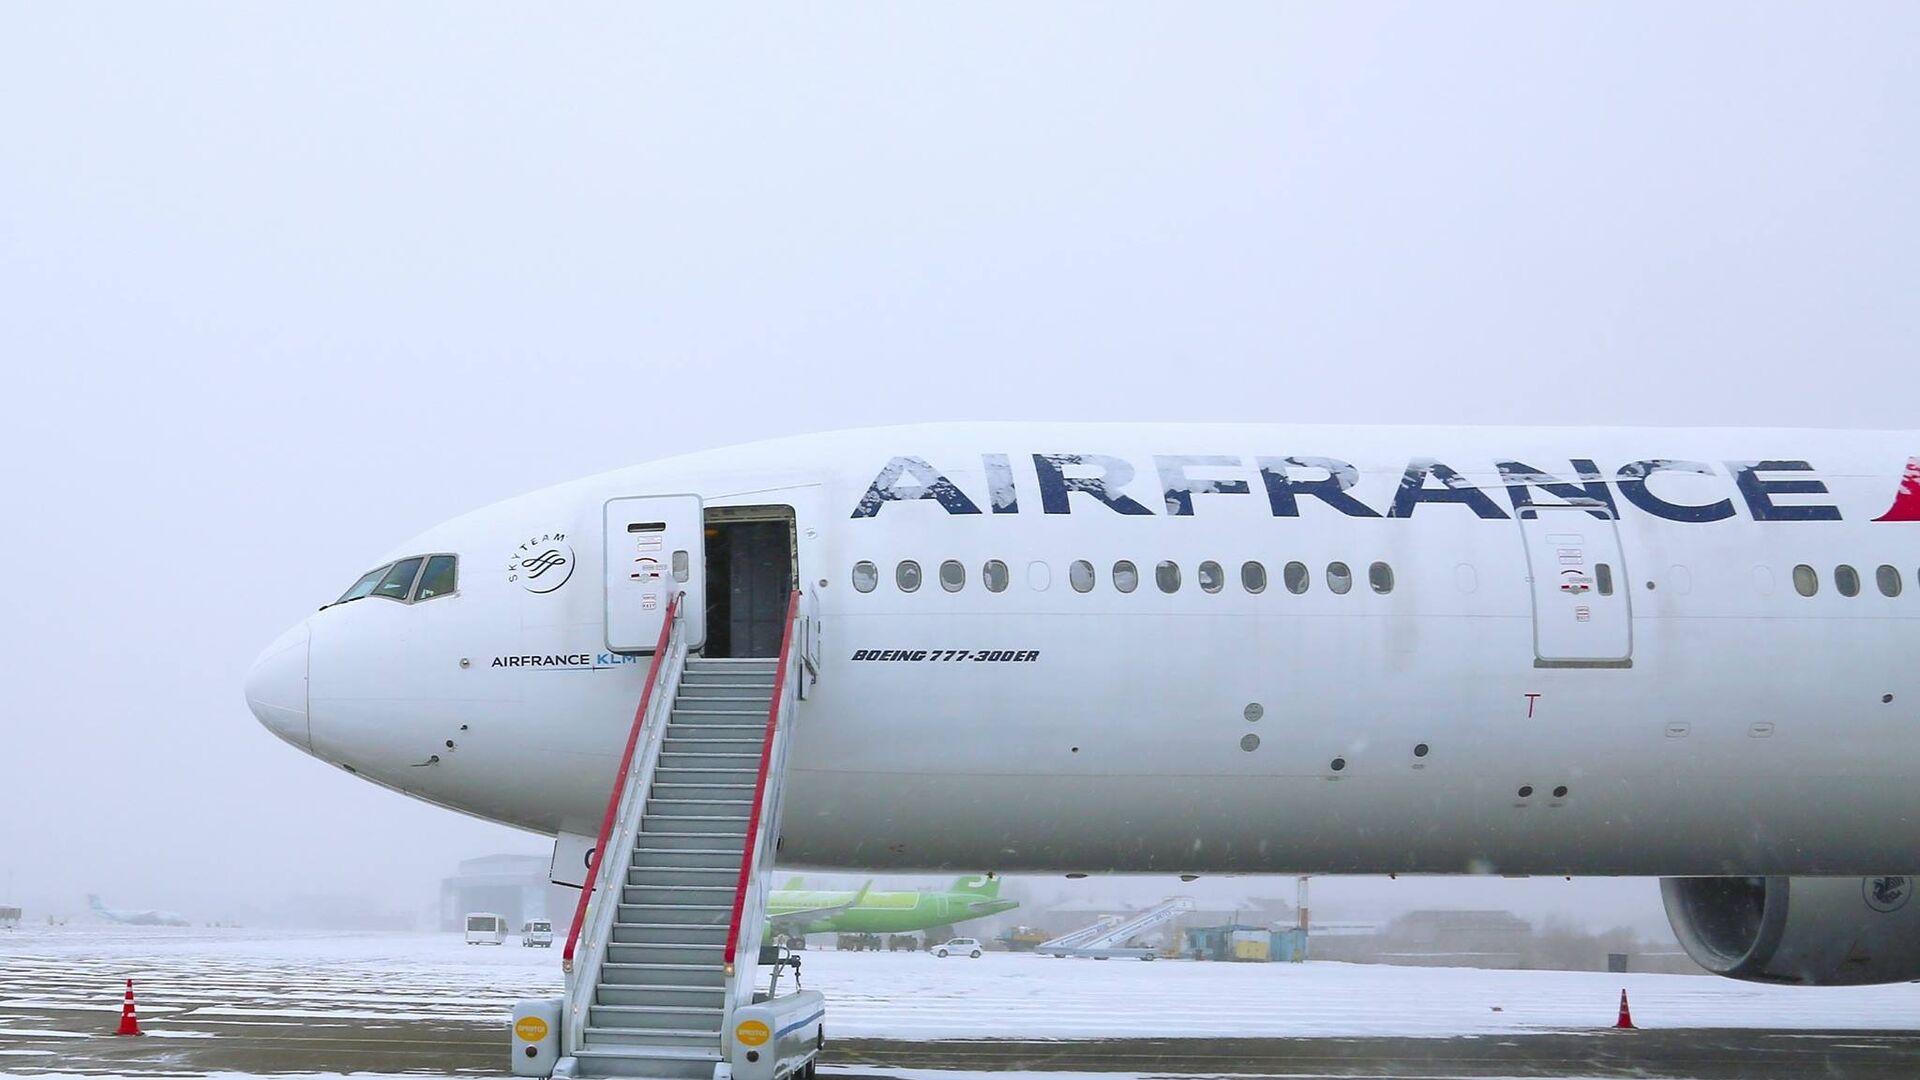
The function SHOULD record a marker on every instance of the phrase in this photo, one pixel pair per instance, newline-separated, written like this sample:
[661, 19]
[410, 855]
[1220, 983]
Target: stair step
[661, 1062]
[726, 694]
[662, 994]
[735, 740]
[654, 933]
[678, 914]
[731, 825]
[688, 859]
[733, 843]
[712, 808]
[745, 775]
[682, 1038]
[709, 975]
[706, 743]
[655, 1017]
[739, 791]
[713, 895]
[628, 952]
[685, 877]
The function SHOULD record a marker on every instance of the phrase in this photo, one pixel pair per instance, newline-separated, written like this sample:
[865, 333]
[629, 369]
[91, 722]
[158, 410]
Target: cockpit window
[399, 580]
[439, 578]
[364, 585]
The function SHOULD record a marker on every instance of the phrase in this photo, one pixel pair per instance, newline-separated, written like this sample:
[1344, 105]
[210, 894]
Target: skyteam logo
[1887, 894]
[542, 564]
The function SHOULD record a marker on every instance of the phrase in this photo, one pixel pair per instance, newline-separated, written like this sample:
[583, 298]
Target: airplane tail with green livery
[980, 885]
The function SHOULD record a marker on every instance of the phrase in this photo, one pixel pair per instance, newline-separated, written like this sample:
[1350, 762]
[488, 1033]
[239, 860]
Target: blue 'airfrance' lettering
[1288, 480]
[1633, 485]
[1759, 492]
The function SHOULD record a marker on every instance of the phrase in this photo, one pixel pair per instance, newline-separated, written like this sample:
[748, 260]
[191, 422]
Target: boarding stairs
[1109, 936]
[661, 978]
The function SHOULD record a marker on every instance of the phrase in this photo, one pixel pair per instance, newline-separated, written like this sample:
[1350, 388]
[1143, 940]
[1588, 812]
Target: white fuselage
[1625, 680]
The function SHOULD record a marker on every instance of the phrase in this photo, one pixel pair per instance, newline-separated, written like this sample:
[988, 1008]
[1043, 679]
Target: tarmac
[262, 1004]
[472, 1050]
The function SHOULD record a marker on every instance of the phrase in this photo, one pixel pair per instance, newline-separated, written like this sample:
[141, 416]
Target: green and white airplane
[797, 910]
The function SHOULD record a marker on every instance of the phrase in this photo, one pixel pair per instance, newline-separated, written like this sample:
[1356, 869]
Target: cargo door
[1581, 615]
[654, 550]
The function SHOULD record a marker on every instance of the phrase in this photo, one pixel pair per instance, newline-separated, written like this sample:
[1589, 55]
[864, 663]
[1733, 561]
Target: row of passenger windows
[1124, 576]
[1846, 580]
[409, 580]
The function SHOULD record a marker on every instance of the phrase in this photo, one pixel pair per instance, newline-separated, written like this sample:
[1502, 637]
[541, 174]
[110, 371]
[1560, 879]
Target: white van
[486, 929]
[537, 934]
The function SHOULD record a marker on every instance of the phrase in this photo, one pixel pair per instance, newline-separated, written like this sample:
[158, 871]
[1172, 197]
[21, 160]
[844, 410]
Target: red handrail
[619, 783]
[760, 784]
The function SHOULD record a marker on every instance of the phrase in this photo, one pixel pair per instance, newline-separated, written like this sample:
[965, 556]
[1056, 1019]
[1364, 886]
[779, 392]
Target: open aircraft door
[1581, 603]
[655, 548]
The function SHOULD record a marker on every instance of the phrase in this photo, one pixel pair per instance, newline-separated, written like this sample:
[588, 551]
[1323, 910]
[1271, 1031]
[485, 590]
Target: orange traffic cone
[1626, 1017]
[129, 1023]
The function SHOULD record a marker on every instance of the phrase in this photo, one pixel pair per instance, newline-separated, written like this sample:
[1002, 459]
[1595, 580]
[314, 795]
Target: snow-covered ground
[189, 981]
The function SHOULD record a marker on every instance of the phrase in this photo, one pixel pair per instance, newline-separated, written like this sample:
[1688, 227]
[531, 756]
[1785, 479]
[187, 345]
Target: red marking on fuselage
[1906, 503]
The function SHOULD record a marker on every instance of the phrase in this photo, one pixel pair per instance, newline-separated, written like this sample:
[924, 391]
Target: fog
[281, 286]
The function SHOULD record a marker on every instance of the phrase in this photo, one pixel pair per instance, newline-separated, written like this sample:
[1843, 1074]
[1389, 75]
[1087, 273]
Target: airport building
[514, 887]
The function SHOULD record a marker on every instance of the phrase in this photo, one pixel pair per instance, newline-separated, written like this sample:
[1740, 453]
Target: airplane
[135, 918]
[797, 910]
[1230, 649]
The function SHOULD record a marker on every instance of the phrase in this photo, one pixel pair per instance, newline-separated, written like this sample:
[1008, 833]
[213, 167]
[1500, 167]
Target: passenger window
[995, 575]
[1039, 576]
[1080, 575]
[1126, 576]
[953, 576]
[1847, 580]
[399, 580]
[1167, 576]
[907, 575]
[1339, 577]
[1806, 581]
[1603, 578]
[440, 577]
[1296, 577]
[865, 576]
[1380, 576]
[1211, 576]
[1253, 577]
[1888, 578]
[364, 586]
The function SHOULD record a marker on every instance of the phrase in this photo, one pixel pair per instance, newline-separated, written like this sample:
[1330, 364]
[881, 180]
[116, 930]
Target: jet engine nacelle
[1815, 931]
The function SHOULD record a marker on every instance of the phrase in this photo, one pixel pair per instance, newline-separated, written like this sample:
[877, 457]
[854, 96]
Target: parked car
[960, 945]
[486, 929]
[537, 934]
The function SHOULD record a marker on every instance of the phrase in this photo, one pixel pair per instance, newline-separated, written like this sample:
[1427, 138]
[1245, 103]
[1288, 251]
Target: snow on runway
[197, 980]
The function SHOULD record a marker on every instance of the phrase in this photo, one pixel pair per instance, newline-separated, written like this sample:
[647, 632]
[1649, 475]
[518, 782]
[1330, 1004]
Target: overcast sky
[281, 285]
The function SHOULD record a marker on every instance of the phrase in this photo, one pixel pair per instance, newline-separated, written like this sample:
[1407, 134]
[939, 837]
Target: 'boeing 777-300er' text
[1208, 648]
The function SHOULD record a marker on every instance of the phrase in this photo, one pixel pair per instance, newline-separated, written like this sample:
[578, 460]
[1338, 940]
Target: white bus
[486, 929]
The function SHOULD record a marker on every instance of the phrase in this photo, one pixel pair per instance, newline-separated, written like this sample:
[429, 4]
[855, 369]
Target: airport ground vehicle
[484, 928]
[537, 934]
[960, 946]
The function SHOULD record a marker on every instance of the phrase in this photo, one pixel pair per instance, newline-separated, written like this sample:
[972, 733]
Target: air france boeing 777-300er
[1182, 648]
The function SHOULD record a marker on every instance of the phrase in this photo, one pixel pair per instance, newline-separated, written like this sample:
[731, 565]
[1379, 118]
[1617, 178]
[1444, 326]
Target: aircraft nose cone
[277, 688]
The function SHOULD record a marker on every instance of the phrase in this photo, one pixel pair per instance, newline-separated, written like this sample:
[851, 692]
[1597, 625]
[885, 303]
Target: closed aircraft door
[1581, 613]
[654, 550]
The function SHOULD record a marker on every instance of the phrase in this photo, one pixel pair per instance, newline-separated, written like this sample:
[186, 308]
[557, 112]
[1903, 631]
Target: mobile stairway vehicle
[1107, 938]
[662, 961]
